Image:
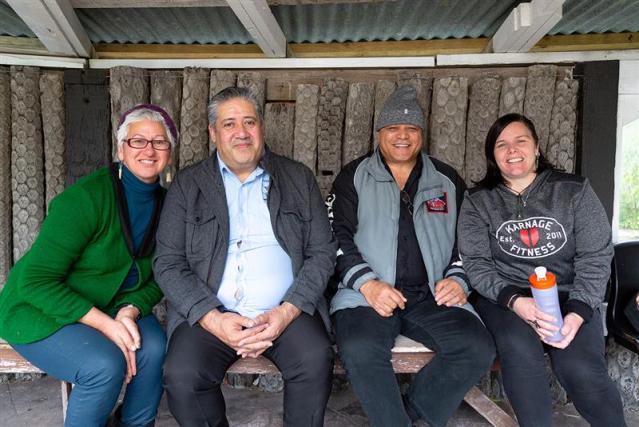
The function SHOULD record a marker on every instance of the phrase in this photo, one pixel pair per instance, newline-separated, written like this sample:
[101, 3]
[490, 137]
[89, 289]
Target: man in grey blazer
[244, 252]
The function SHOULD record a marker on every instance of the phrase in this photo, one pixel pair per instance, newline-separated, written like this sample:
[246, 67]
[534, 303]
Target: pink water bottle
[544, 289]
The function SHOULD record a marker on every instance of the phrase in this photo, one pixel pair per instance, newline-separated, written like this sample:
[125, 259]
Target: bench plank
[488, 409]
[408, 356]
[12, 363]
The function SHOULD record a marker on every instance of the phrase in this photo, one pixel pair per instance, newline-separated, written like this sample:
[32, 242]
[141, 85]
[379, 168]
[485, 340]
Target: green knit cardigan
[78, 261]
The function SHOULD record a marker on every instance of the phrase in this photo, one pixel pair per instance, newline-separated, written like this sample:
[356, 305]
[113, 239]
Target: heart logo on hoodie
[529, 236]
[533, 237]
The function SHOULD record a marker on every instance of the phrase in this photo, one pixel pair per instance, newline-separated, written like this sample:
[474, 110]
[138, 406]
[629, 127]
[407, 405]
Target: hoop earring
[120, 171]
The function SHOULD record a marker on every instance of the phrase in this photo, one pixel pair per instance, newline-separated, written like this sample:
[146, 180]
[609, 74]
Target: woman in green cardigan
[78, 304]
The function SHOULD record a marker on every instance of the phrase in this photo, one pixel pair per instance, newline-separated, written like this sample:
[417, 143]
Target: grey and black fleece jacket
[564, 228]
[193, 236]
[364, 207]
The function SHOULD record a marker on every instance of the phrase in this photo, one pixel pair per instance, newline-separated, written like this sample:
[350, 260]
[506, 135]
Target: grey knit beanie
[401, 108]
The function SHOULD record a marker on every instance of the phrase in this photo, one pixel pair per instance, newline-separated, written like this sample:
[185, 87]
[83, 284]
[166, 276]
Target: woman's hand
[128, 315]
[541, 322]
[572, 323]
[118, 333]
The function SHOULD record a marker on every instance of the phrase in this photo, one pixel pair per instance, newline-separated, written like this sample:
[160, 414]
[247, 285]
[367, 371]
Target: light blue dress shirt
[258, 271]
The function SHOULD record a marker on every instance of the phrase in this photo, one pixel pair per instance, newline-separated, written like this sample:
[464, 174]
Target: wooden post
[53, 130]
[305, 133]
[220, 79]
[27, 168]
[359, 121]
[598, 103]
[561, 148]
[540, 90]
[86, 99]
[255, 82]
[279, 123]
[194, 144]
[5, 175]
[482, 112]
[330, 123]
[65, 393]
[448, 121]
[513, 91]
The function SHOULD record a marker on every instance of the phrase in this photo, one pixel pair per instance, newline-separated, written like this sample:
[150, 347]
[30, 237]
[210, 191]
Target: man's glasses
[157, 144]
[407, 202]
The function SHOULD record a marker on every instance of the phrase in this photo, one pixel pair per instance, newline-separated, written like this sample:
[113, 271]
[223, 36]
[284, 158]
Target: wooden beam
[42, 61]
[298, 50]
[269, 63]
[387, 48]
[176, 51]
[103, 4]
[57, 26]
[257, 18]
[536, 58]
[569, 43]
[526, 25]
[26, 45]
[581, 42]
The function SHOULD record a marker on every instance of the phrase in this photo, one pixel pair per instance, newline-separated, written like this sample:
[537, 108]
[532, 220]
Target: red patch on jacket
[529, 236]
[438, 204]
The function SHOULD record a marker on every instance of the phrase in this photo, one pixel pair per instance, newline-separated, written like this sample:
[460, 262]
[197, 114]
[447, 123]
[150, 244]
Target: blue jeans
[580, 368]
[464, 352]
[83, 356]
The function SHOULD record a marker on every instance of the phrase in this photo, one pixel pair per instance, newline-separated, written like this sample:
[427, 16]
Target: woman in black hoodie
[525, 214]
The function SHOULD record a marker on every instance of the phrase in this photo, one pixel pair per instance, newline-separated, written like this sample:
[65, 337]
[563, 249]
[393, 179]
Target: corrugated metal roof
[11, 24]
[339, 22]
[598, 16]
[204, 25]
[397, 20]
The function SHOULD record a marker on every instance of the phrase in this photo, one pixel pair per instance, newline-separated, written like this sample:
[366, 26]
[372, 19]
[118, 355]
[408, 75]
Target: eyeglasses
[141, 143]
[407, 202]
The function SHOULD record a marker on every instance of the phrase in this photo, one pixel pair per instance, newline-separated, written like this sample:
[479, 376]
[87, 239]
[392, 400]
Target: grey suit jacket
[193, 234]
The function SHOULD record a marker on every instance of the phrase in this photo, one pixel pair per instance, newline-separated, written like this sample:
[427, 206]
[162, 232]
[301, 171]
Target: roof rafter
[57, 26]
[257, 18]
[526, 25]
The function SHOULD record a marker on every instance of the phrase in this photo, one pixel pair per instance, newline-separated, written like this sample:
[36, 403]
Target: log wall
[323, 118]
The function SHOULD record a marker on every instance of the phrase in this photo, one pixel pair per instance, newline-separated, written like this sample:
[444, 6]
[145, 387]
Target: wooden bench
[408, 358]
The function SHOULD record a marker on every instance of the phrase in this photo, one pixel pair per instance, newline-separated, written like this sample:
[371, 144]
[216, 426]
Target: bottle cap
[542, 279]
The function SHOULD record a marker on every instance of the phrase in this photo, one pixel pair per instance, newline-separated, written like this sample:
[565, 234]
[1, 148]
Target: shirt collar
[415, 173]
[226, 172]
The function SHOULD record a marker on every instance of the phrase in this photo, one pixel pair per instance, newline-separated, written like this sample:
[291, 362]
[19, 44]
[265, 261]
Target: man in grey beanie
[394, 214]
